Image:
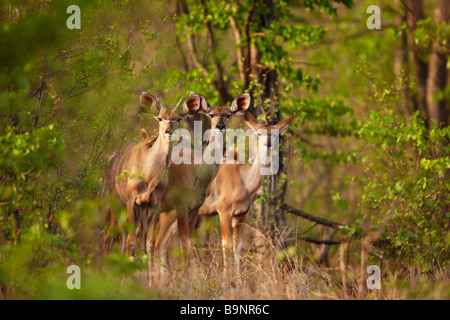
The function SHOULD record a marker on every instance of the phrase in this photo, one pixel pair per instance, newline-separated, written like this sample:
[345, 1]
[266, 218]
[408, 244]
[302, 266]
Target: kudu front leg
[113, 231]
[227, 241]
[238, 227]
[107, 236]
[150, 248]
[183, 232]
[150, 196]
[131, 237]
[167, 229]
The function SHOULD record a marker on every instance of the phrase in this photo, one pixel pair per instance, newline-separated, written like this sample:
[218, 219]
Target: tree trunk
[401, 63]
[414, 13]
[437, 72]
[270, 214]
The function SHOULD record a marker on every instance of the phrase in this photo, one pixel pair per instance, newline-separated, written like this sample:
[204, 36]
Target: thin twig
[93, 86]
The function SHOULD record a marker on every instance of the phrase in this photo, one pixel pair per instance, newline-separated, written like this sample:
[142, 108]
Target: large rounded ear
[149, 103]
[190, 106]
[241, 104]
[284, 124]
[251, 121]
[144, 135]
[204, 105]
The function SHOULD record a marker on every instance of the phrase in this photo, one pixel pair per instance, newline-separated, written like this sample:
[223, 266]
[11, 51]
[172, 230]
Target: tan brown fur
[144, 163]
[188, 183]
[233, 191]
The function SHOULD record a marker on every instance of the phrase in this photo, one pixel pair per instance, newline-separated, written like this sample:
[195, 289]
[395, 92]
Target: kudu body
[235, 188]
[142, 166]
[188, 183]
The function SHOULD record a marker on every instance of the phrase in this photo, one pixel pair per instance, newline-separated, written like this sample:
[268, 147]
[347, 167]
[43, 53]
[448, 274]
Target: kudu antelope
[235, 188]
[188, 183]
[142, 165]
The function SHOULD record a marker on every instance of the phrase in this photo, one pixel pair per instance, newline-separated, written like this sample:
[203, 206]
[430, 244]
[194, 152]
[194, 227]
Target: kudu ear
[241, 104]
[204, 105]
[190, 106]
[284, 124]
[251, 121]
[144, 135]
[149, 103]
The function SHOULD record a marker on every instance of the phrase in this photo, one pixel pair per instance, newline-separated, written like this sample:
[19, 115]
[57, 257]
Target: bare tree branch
[182, 8]
[310, 217]
[39, 104]
[183, 56]
[239, 54]
[191, 51]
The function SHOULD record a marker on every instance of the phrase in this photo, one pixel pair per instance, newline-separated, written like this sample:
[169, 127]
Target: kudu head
[168, 119]
[220, 115]
[266, 133]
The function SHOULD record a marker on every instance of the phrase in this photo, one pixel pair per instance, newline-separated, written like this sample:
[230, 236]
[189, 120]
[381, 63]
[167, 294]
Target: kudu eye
[228, 116]
[159, 118]
[211, 115]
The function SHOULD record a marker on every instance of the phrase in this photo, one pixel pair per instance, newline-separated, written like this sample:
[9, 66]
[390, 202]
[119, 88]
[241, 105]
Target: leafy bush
[26, 163]
[406, 194]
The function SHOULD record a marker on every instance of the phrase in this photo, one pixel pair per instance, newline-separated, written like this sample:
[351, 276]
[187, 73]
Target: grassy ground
[36, 268]
[284, 275]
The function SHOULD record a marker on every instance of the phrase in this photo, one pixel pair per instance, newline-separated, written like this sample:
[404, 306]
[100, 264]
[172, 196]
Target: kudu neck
[160, 150]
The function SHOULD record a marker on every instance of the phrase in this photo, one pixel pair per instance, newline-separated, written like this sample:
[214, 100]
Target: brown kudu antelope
[142, 165]
[188, 183]
[235, 188]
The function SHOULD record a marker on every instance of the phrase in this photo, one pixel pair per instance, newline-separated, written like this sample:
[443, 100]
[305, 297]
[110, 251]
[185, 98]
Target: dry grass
[264, 277]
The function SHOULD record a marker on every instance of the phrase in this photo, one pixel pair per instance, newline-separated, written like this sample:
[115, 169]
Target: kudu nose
[220, 127]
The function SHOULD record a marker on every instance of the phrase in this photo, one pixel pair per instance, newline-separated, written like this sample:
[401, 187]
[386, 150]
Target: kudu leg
[150, 247]
[238, 227]
[167, 229]
[227, 240]
[131, 236]
[183, 232]
[163, 251]
[107, 237]
[144, 234]
[122, 239]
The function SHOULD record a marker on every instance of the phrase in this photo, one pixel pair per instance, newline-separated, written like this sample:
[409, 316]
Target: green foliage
[271, 40]
[406, 196]
[34, 267]
[427, 31]
[66, 100]
[326, 5]
[25, 161]
[69, 98]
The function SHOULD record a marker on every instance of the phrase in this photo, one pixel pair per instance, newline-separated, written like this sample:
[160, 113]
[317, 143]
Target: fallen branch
[316, 241]
[303, 214]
